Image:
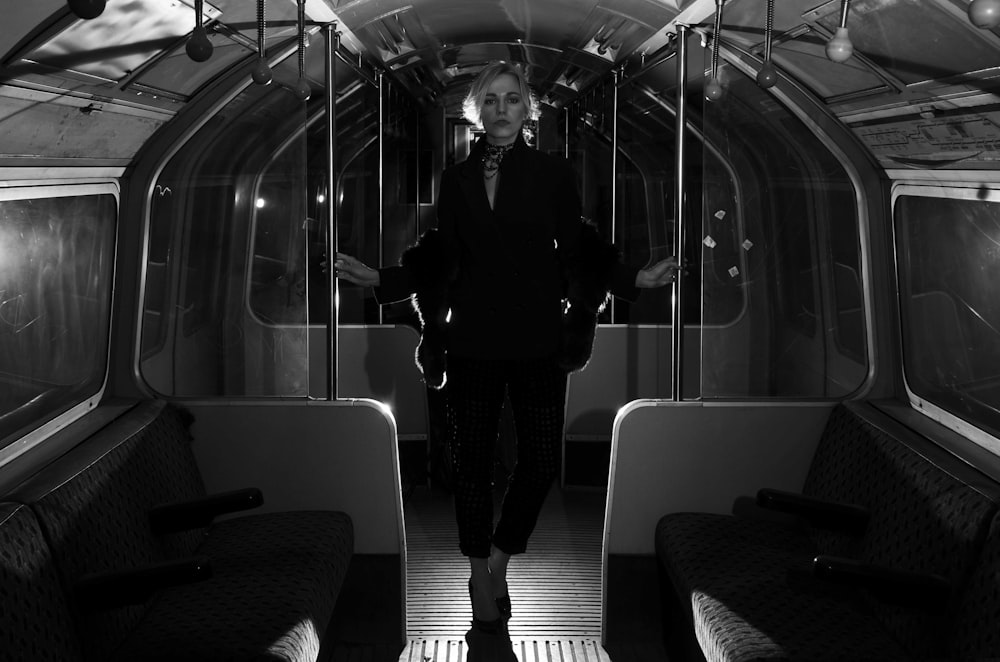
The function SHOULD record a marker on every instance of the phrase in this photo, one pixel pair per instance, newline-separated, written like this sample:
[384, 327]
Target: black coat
[504, 272]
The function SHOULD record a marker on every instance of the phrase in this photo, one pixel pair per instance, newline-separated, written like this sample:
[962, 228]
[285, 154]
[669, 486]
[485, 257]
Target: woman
[508, 250]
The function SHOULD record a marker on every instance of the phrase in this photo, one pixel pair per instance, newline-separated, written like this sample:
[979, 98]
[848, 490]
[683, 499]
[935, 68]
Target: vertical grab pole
[566, 132]
[677, 300]
[416, 174]
[381, 169]
[614, 171]
[332, 45]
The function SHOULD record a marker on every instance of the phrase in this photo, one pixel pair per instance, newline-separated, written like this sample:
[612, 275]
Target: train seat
[35, 620]
[976, 636]
[275, 578]
[257, 586]
[873, 566]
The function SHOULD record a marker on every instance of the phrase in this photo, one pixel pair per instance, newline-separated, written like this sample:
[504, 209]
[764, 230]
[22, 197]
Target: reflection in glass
[645, 198]
[130, 32]
[915, 40]
[56, 267]
[805, 58]
[179, 74]
[949, 253]
[644, 181]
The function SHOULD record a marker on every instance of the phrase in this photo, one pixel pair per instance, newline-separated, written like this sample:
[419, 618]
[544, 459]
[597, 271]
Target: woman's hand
[355, 271]
[658, 275]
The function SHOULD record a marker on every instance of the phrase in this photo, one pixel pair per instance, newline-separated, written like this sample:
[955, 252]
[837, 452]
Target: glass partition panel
[225, 309]
[402, 216]
[590, 141]
[780, 240]
[56, 270]
[643, 181]
[645, 197]
[948, 251]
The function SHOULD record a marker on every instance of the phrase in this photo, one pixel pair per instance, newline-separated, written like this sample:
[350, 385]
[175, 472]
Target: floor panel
[499, 650]
[555, 587]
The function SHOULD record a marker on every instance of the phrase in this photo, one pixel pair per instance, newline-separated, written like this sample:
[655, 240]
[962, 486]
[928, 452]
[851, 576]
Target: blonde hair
[472, 106]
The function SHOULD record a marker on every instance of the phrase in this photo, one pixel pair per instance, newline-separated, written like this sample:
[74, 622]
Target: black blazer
[509, 283]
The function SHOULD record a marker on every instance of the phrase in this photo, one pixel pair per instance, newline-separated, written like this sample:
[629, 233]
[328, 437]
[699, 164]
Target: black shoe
[488, 646]
[496, 626]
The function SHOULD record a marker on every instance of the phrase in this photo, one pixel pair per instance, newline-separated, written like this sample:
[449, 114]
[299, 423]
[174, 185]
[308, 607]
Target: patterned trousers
[475, 397]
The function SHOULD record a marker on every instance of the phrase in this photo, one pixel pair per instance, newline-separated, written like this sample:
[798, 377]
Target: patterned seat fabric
[844, 469]
[976, 635]
[749, 590]
[275, 582]
[275, 576]
[923, 520]
[93, 505]
[35, 622]
[748, 585]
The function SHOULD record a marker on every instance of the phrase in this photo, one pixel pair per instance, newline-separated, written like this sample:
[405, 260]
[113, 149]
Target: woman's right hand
[355, 271]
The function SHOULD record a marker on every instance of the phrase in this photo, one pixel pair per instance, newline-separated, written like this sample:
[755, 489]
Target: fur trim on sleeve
[589, 277]
[427, 261]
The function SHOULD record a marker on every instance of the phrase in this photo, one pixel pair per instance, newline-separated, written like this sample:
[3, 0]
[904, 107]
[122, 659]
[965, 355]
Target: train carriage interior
[212, 448]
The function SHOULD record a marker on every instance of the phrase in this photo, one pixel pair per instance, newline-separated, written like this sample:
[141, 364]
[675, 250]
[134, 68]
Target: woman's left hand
[355, 271]
[658, 275]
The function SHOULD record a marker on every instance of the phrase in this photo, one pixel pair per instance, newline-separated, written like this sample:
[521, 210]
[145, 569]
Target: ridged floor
[555, 587]
[524, 650]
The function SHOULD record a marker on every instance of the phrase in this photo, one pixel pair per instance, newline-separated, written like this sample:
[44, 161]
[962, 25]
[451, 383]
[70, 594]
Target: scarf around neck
[492, 156]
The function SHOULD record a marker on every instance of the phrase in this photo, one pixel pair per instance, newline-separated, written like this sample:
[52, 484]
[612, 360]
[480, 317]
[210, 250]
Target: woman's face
[503, 110]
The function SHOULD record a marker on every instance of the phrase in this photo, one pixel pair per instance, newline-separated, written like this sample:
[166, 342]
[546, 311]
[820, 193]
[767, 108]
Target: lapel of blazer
[516, 174]
[516, 178]
[472, 186]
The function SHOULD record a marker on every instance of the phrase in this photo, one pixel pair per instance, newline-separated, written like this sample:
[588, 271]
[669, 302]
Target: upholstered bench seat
[252, 587]
[881, 563]
[274, 586]
[752, 595]
[977, 633]
[36, 622]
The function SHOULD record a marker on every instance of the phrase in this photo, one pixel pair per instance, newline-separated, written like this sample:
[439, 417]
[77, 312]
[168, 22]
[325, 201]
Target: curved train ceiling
[920, 89]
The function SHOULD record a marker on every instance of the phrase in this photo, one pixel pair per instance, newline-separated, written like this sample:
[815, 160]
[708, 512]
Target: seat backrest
[927, 511]
[841, 471]
[93, 507]
[35, 619]
[976, 635]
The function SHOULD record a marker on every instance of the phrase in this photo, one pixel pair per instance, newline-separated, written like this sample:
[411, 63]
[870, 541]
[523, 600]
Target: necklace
[492, 157]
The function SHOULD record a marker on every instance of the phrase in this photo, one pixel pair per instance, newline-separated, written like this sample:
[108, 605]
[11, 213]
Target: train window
[948, 248]
[56, 270]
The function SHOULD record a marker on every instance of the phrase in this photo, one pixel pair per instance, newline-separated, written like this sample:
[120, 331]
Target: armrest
[118, 588]
[184, 515]
[887, 584]
[844, 517]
